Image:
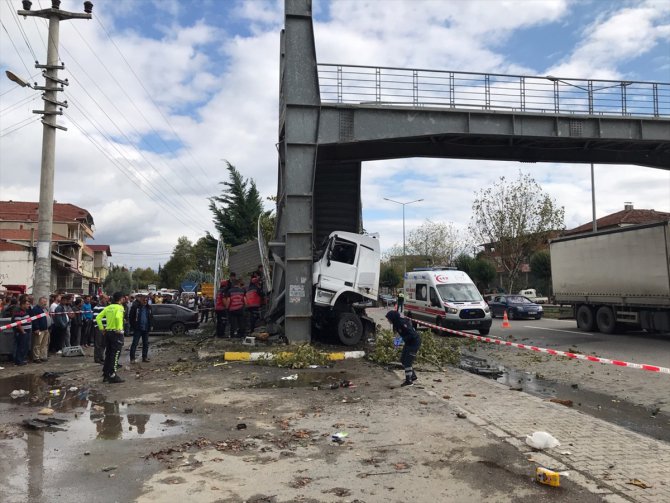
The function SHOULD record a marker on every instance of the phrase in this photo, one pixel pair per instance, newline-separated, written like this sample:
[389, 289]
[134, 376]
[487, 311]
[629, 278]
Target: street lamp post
[404, 252]
[42, 278]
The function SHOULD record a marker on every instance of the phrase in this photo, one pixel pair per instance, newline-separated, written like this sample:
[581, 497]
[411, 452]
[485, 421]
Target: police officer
[114, 314]
[412, 341]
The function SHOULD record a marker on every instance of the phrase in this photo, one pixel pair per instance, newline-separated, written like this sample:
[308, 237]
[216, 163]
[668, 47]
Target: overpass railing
[352, 84]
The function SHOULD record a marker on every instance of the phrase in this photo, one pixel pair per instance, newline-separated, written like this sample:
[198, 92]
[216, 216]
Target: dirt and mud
[188, 426]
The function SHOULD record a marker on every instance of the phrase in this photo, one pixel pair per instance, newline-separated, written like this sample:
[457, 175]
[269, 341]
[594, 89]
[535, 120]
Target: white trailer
[617, 279]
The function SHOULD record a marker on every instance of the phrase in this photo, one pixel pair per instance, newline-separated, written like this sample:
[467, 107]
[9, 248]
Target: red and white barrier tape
[554, 352]
[22, 322]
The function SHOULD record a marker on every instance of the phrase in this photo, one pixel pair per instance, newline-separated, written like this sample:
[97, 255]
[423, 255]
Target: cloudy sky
[161, 91]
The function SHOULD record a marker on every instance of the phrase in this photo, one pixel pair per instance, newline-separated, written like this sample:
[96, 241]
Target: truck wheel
[605, 320]
[349, 329]
[585, 318]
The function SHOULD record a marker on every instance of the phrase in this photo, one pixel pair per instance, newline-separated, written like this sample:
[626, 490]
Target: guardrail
[353, 84]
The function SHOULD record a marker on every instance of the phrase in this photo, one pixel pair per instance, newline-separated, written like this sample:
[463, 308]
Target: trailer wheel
[585, 318]
[349, 329]
[606, 320]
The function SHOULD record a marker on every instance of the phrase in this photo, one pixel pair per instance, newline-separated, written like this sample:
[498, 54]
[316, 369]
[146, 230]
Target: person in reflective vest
[254, 301]
[236, 303]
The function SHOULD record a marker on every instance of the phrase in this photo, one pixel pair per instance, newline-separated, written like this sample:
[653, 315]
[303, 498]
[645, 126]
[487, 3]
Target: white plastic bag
[542, 440]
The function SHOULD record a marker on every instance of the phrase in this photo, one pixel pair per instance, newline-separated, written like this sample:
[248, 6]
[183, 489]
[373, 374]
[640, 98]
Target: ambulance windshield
[459, 292]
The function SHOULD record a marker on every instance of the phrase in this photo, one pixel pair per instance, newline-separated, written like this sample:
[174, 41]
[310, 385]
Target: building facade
[72, 260]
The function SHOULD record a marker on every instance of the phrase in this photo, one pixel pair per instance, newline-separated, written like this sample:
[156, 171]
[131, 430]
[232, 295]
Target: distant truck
[618, 279]
[532, 295]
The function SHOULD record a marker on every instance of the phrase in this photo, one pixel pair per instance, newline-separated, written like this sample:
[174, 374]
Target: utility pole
[42, 279]
[404, 251]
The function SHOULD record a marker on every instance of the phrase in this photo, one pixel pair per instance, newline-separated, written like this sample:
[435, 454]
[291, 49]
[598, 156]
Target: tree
[181, 261]
[204, 253]
[237, 209]
[145, 277]
[464, 262]
[540, 268]
[199, 276]
[439, 242]
[483, 273]
[389, 277]
[118, 280]
[514, 217]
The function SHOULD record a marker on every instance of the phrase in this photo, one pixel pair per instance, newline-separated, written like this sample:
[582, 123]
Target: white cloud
[219, 90]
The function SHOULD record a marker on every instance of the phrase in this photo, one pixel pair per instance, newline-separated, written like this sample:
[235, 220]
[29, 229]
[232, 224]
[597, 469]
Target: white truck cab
[345, 279]
[446, 297]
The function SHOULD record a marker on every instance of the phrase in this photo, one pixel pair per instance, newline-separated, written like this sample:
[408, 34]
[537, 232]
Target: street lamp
[404, 255]
[15, 78]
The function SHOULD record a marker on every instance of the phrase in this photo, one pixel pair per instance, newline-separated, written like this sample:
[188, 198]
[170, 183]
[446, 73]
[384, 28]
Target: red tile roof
[621, 219]
[23, 211]
[27, 235]
[101, 248]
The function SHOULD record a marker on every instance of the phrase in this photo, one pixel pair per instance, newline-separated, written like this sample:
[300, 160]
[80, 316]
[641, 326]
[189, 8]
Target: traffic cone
[505, 323]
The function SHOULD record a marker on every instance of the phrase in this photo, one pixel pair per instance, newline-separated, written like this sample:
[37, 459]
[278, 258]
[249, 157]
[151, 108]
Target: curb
[243, 356]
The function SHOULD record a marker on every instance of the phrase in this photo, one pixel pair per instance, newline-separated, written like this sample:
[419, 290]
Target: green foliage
[389, 277]
[298, 357]
[181, 261]
[237, 209]
[198, 276]
[118, 280]
[435, 350]
[144, 277]
[514, 217]
[540, 266]
[464, 262]
[483, 272]
[204, 253]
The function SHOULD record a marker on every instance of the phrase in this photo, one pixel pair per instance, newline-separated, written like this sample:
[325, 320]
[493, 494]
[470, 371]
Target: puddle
[310, 378]
[632, 417]
[89, 416]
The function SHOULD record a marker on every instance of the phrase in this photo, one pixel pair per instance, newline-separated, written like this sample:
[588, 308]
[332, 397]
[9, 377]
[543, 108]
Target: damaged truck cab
[346, 280]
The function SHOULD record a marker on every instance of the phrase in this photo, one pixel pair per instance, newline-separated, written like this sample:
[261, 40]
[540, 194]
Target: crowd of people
[63, 321]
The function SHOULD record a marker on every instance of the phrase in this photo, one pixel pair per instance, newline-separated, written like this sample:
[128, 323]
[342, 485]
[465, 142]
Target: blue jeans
[21, 346]
[144, 334]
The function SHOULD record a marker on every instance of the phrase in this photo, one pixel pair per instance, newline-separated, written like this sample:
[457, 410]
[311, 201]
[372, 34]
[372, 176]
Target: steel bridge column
[298, 131]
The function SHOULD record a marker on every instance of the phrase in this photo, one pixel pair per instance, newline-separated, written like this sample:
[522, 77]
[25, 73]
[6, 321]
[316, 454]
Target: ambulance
[446, 297]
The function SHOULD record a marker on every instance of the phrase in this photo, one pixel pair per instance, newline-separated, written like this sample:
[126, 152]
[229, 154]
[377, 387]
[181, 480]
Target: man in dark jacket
[140, 319]
[410, 337]
[22, 331]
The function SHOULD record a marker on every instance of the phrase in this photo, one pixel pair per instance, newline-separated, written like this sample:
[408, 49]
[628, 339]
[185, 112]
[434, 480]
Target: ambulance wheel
[438, 322]
[349, 329]
[484, 331]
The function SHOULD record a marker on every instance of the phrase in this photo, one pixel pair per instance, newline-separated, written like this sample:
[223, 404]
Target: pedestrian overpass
[334, 116]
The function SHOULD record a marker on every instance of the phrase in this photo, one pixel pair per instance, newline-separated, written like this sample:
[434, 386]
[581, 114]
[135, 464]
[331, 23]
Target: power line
[23, 101]
[131, 101]
[150, 97]
[15, 16]
[15, 48]
[27, 122]
[118, 166]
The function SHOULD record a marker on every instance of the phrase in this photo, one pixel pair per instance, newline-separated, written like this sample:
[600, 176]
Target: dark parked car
[517, 306]
[173, 318]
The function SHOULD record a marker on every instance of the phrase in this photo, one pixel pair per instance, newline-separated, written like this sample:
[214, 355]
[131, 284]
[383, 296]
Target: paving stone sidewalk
[599, 455]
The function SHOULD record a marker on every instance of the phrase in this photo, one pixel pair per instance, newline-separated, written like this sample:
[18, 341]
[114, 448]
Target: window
[459, 292]
[421, 292]
[434, 299]
[343, 251]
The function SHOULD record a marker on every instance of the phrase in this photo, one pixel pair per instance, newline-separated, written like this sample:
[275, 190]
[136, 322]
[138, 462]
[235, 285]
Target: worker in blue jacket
[410, 337]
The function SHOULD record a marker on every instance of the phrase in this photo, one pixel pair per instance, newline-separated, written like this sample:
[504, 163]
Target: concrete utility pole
[42, 279]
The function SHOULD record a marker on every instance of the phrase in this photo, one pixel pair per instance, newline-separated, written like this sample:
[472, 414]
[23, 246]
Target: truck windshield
[459, 292]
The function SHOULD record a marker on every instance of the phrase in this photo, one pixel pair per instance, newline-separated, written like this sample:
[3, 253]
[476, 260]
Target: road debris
[19, 393]
[299, 482]
[46, 411]
[293, 377]
[339, 436]
[542, 440]
[567, 403]
[639, 483]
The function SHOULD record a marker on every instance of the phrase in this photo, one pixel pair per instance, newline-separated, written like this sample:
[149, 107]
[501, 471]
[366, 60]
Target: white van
[446, 297]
